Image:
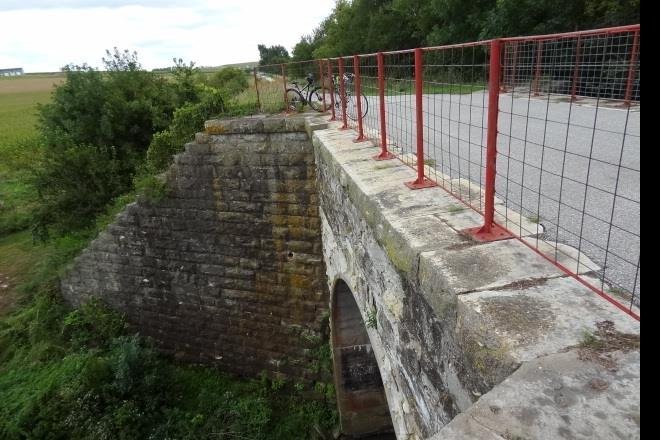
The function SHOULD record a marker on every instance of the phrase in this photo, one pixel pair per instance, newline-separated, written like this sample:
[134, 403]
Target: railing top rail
[607, 31]
[601, 31]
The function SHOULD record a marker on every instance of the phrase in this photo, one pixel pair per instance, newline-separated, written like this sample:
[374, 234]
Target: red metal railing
[538, 134]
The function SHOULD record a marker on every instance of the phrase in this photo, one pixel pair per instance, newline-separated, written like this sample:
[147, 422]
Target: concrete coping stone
[256, 124]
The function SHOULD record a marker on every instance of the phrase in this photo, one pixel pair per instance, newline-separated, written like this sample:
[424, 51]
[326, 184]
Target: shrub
[75, 184]
[230, 79]
[187, 121]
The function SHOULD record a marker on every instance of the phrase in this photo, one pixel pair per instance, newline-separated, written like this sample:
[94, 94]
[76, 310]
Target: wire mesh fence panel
[455, 103]
[592, 65]
[400, 105]
[349, 91]
[568, 165]
[270, 87]
[539, 134]
[369, 102]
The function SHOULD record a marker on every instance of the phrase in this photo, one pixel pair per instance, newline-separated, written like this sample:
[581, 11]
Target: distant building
[11, 72]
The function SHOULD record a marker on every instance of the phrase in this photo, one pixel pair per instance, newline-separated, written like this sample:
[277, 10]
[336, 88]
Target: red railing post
[490, 231]
[537, 70]
[321, 83]
[342, 92]
[286, 104]
[421, 181]
[631, 69]
[384, 154]
[358, 93]
[576, 71]
[256, 87]
[332, 91]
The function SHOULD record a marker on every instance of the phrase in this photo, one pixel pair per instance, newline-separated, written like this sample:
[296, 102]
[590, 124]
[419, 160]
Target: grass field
[19, 97]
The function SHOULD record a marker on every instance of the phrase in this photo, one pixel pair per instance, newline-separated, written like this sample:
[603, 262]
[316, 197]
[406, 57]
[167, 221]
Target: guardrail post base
[420, 184]
[494, 233]
[385, 155]
[426, 183]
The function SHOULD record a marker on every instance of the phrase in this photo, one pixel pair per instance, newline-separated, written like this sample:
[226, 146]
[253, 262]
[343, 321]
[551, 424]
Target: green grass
[76, 374]
[18, 258]
[19, 97]
[533, 218]
[19, 148]
[395, 87]
[271, 96]
[270, 93]
[18, 115]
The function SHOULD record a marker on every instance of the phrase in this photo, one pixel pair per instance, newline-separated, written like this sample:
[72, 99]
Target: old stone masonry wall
[228, 268]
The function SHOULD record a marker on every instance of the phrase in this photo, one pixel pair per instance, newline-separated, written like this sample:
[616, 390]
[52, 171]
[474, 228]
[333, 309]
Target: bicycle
[351, 102]
[297, 97]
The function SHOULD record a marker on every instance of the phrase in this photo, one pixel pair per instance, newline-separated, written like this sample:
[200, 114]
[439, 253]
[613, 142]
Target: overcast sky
[44, 35]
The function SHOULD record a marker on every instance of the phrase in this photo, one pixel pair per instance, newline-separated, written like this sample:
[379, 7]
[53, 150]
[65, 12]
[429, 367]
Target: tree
[364, 26]
[272, 55]
[231, 80]
[96, 131]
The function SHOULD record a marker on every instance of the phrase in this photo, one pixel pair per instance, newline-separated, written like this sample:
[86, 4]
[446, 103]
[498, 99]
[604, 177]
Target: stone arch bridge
[274, 226]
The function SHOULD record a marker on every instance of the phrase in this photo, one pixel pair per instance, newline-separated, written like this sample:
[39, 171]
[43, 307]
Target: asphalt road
[575, 168]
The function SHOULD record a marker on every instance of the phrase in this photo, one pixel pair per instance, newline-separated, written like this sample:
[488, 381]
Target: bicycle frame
[306, 91]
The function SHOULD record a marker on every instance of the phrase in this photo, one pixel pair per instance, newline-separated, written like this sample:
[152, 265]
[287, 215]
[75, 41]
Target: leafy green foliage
[372, 319]
[152, 188]
[272, 54]
[77, 375]
[187, 121]
[97, 130]
[230, 79]
[75, 184]
[366, 26]
[91, 325]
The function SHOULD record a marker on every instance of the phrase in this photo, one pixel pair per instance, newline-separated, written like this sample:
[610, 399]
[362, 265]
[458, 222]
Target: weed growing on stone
[453, 209]
[372, 321]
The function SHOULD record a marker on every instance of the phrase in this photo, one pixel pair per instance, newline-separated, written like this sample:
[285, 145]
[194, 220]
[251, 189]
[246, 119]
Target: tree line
[365, 26]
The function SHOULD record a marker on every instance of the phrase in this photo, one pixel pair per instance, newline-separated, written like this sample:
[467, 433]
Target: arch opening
[361, 398]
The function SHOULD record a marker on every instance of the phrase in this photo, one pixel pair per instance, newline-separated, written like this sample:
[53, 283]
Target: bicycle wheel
[351, 106]
[337, 99]
[316, 99]
[294, 100]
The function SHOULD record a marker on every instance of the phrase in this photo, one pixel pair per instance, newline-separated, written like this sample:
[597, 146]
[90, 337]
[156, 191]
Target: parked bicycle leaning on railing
[317, 97]
[351, 101]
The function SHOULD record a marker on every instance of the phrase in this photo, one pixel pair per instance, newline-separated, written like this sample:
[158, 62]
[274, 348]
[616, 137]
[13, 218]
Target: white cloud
[206, 32]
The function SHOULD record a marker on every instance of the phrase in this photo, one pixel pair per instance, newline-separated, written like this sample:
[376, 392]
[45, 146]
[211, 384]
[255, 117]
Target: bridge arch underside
[363, 407]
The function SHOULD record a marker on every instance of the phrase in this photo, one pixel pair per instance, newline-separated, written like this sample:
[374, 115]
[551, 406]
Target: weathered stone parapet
[455, 317]
[227, 269]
